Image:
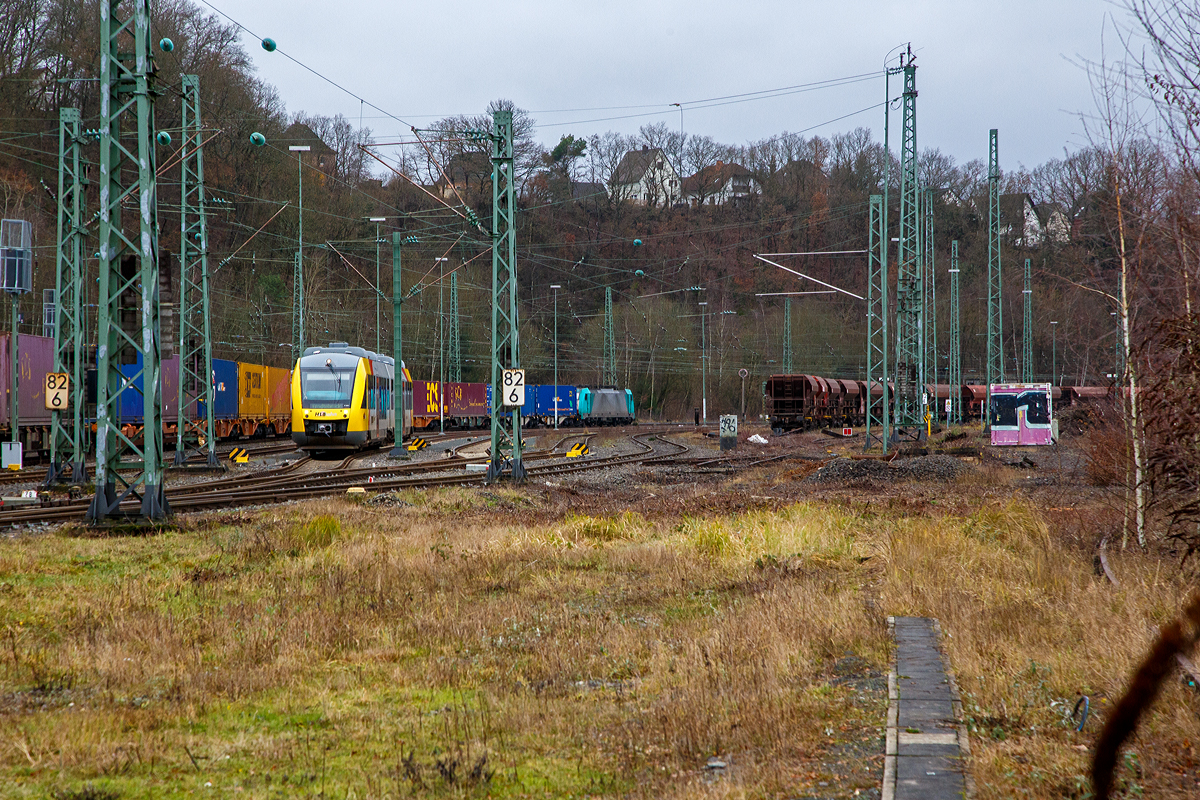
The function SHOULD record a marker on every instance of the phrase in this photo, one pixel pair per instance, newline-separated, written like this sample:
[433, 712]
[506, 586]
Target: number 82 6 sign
[514, 388]
[58, 394]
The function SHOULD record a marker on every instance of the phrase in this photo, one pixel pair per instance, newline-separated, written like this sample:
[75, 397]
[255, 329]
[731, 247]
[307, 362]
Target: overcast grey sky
[578, 66]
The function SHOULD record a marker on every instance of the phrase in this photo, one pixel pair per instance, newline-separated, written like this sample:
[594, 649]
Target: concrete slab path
[926, 739]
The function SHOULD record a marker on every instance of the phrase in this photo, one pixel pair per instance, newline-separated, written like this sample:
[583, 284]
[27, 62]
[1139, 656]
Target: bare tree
[604, 154]
[1118, 128]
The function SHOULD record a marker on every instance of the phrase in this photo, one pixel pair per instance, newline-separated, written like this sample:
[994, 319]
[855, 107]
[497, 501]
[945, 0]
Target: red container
[466, 399]
[425, 399]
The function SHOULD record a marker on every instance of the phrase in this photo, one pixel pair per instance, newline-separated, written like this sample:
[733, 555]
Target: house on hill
[468, 172]
[718, 184]
[1019, 221]
[1055, 223]
[320, 156]
[645, 177]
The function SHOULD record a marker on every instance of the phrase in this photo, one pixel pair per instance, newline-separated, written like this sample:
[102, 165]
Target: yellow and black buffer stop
[577, 450]
[239, 454]
[418, 444]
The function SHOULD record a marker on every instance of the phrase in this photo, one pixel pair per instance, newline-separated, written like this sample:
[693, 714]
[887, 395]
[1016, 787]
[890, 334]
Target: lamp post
[441, 347]
[555, 287]
[377, 220]
[1053, 353]
[1116, 347]
[703, 366]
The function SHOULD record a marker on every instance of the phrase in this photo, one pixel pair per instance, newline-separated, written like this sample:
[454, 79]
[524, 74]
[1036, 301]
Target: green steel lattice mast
[787, 336]
[506, 425]
[128, 327]
[455, 343]
[995, 322]
[610, 342]
[195, 330]
[877, 333]
[910, 285]
[68, 444]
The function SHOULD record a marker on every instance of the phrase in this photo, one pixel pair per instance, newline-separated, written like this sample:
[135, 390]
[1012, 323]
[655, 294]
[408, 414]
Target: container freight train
[809, 401]
[249, 400]
[467, 406]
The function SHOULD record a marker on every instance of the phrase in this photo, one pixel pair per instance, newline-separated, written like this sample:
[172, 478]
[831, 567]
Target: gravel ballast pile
[934, 467]
[848, 470]
[922, 468]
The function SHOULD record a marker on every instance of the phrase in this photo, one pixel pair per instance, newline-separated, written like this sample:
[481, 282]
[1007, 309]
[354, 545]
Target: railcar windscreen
[1038, 412]
[326, 387]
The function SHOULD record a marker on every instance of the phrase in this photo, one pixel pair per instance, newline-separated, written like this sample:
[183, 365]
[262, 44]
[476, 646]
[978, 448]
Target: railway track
[264, 447]
[289, 482]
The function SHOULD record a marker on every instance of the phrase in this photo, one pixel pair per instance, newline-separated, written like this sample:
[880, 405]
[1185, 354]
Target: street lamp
[1116, 347]
[1053, 353]
[377, 220]
[703, 366]
[555, 287]
[441, 347]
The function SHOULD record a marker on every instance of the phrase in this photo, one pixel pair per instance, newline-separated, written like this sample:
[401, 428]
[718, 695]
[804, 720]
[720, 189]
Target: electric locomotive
[343, 398]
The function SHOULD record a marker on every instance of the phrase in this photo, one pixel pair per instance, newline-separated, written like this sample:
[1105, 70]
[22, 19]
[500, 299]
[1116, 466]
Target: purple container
[35, 360]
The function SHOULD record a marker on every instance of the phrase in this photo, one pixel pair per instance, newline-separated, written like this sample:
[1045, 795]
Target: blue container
[545, 402]
[225, 390]
[130, 406]
[530, 408]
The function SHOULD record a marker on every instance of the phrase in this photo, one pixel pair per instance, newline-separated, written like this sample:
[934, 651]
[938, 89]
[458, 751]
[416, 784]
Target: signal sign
[57, 391]
[514, 388]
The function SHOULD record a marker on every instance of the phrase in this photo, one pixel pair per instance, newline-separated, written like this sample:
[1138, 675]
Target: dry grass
[452, 648]
[341, 648]
[1031, 629]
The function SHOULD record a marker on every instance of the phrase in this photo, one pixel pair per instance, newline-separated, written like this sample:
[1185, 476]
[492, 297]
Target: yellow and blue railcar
[343, 398]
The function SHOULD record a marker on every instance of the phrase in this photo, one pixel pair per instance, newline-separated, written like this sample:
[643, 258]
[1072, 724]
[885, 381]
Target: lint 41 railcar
[343, 398]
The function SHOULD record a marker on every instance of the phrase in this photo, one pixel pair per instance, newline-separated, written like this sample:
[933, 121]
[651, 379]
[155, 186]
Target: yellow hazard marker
[418, 444]
[239, 454]
[577, 450]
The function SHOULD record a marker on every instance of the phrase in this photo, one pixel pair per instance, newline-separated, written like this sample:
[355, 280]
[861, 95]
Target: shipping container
[425, 399]
[252, 396]
[549, 398]
[35, 359]
[279, 399]
[131, 406]
[466, 400]
[225, 398]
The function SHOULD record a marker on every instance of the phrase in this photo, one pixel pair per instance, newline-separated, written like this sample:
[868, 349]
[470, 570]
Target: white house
[718, 184]
[645, 177]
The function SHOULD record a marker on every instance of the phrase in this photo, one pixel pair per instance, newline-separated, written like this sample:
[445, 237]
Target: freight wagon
[810, 401]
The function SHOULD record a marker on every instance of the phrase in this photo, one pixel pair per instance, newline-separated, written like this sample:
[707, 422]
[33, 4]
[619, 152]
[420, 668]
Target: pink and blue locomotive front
[1021, 414]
